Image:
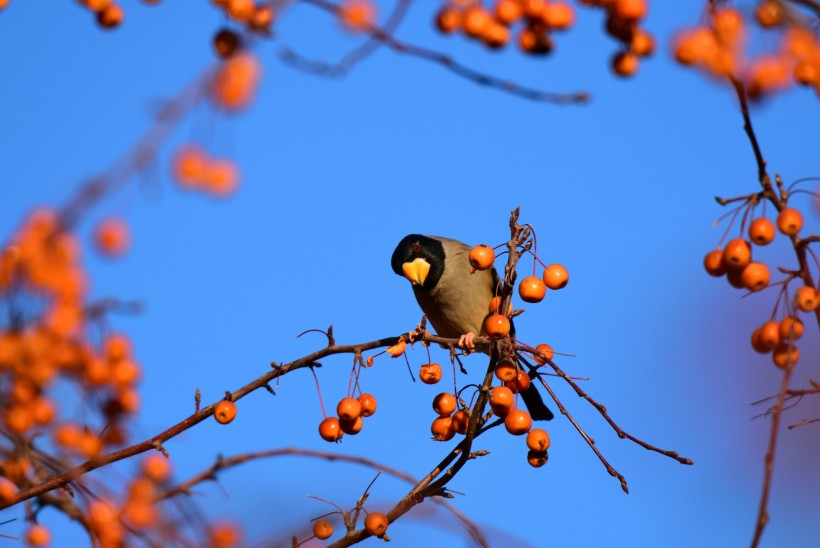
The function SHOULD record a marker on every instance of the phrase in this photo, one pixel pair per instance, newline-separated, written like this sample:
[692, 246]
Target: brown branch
[385, 37]
[156, 441]
[225, 463]
[762, 513]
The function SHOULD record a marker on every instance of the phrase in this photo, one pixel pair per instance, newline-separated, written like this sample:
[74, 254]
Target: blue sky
[336, 172]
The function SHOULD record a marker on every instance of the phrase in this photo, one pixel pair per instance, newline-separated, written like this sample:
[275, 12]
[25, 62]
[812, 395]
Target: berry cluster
[735, 262]
[719, 48]
[540, 19]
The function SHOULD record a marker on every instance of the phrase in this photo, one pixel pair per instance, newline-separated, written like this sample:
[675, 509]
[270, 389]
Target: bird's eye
[416, 247]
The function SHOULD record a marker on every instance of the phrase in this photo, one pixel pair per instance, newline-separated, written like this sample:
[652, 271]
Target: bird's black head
[414, 255]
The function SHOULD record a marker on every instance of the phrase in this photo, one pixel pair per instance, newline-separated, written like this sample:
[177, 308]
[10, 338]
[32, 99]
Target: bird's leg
[466, 342]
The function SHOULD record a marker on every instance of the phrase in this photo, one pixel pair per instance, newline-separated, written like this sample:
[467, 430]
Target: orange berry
[534, 8]
[789, 221]
[18, 419]
[67, 435]
[234, 85]
[497, 326]
[224, 535]
[520, 384]
[532, 290]
[38, 535]
[625, 63]
[506, 370]
[397, 349]
[769, 14]
[556, 276]
[349, 409]
[557, 15]
[728, 25]
[714, 264]
[735, 278]
[97, 5]
[89, 445]
[125, 372]
[806, 299]
[112, 237]
[156, 467]
[642, 45]
[518, 422]
[448, 19]
[501, 400]
[430, 373]
[496, 35]
[537, 459]
[444, 404]
[353, 426]
[443, 429]
[262, 18]
[461, 421]
[110, 17]
[42, 410]
[695, 47]
[140, 515]
[368, 403]
[357, 15]
[534, 40]
[117, 347]
[476, 21]
[226, 42]
[737, 253]
[791, 328]
[482, 257]
[220, 177]
[330, 429]
[755, 276]
[631, 10]
[225, 411]
[785, 355]
[376, 524]
[240, 10]
[7, 490]
[538, 440]
[495, 304]
[761, 231]
[766, 337]
[547, 352]
[322, 529]
[508, 11]
[189, 165]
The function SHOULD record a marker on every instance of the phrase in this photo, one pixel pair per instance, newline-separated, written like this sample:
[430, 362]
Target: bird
[454, 299]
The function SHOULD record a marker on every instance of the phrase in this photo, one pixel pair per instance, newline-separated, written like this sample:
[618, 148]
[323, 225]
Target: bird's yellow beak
[416, 271]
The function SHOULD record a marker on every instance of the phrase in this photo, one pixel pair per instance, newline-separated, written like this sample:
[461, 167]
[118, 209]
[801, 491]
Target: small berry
[444, 404]
[789, 221]
[537, 459]
[545, 350]
[791, 328]
[538, 440]
[351, 427]
[482, 257]
[761, 231]
[461, 421]
[532, 289]
[737, 253]
[368, 403]
[443, 429]
[376, 524]
[714, 263]
[397, 349]
[322, 529]
[518, 422]
[501, 400]
[755, 276]
[330, 429]
[349, 409]
[430, 373]
[38, 535]
[521, 383]
[497, 326]
[785, 355]
[505, 370]
[225, 411]
[806, 299]
[556, 276]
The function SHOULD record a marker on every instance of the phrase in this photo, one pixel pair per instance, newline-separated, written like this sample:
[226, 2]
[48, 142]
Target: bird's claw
[466, 342]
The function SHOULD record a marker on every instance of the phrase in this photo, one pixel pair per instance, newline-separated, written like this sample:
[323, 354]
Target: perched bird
[454, 300]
